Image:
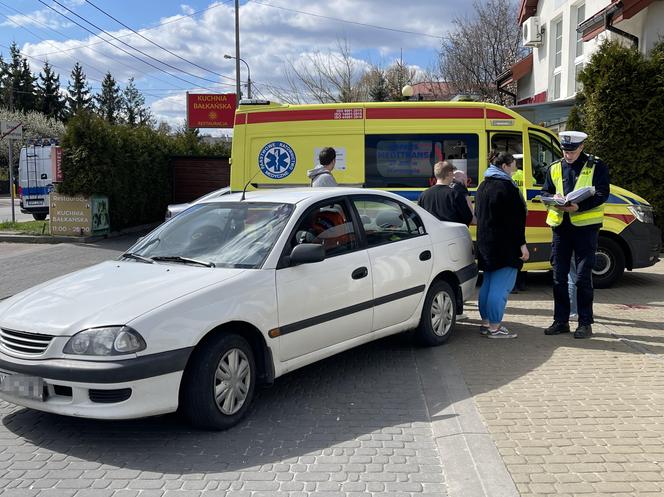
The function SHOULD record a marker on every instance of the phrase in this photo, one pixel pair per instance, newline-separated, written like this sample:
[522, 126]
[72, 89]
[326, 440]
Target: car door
[400, 252]
[325, 303]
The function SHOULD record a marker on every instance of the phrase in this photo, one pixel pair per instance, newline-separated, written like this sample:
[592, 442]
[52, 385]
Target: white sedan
[233, 293]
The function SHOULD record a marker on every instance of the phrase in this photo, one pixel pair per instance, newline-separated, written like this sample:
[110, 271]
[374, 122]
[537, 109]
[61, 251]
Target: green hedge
[131, 165]
[621, 107]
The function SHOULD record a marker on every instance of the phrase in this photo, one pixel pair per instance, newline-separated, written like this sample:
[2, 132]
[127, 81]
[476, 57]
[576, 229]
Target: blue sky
[273, 33]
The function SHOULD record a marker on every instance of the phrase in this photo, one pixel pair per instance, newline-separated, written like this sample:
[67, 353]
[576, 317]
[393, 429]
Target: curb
[472, 464]
[13, 237]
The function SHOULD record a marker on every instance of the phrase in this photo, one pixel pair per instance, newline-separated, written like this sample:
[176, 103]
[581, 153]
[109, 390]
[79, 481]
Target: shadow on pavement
[367, 398]
[368, 393]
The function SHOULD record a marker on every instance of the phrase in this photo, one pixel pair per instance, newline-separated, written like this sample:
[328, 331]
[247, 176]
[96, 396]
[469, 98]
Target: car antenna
[244, 190]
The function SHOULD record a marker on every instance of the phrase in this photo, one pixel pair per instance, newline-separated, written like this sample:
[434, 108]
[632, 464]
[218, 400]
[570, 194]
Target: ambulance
[394, 145]
[35, 182]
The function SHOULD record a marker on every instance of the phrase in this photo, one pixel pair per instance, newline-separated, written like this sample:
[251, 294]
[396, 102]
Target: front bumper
[131, 388]
[644, 241]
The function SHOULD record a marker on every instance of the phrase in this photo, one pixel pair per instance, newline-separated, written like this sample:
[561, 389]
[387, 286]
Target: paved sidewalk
[475, 418]
[576, 417]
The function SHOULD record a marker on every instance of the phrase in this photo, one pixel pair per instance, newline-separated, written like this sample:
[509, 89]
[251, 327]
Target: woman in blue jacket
[501, 241]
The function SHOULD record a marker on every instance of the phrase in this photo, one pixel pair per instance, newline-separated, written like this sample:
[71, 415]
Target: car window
[329, 225]
[543, 154]
[387, 221]
[227, 234]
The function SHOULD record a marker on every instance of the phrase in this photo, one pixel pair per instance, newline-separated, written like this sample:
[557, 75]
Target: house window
[556, 86]
[578, 86]
[579, 59]
[580, 17]
[558, 43]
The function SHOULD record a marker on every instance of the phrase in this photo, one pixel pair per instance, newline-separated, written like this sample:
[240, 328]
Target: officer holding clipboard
[575, 229]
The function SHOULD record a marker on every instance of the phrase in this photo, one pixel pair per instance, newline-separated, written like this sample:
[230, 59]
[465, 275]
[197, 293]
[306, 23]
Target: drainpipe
[608, 20]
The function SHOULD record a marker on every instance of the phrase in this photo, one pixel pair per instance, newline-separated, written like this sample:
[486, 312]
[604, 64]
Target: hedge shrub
[621, 107]
[131, 165]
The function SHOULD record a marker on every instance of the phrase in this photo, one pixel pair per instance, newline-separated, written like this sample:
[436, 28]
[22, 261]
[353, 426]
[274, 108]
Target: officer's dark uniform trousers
[582, 241]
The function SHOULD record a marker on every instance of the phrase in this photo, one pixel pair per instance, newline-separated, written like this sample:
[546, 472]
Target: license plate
[19, 385]
[35, 202]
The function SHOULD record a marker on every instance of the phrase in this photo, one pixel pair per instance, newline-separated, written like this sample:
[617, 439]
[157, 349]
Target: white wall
[648, 25]
[549, 12]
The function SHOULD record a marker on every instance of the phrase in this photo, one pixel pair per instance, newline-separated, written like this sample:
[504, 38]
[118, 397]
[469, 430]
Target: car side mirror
[306, 253]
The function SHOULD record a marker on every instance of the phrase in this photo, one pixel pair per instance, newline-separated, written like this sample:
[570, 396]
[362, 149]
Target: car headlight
[643, 213]
[111, 340]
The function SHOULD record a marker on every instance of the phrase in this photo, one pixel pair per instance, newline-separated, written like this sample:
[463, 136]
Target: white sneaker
[574, 317]
[501, 332]
[462, 317]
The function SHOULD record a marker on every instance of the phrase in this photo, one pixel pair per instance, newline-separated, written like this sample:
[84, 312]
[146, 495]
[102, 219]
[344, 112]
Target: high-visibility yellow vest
[518, 178]
[593, 216]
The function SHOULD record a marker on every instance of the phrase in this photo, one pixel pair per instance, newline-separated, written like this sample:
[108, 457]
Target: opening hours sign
[211, 110]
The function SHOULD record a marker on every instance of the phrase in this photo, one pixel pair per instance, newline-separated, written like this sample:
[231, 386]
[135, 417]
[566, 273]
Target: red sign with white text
[211, 110]
[56, 164]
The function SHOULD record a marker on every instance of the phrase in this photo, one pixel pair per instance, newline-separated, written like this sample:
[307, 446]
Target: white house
[563, 35]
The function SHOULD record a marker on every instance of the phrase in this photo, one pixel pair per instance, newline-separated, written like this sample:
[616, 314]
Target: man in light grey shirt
[321, 175]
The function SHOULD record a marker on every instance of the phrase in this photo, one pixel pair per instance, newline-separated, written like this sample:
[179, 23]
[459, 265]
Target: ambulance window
[542, 153]
[406, 161]
[510, 143]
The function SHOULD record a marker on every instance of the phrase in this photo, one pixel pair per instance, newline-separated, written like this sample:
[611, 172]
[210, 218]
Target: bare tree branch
[480, 48]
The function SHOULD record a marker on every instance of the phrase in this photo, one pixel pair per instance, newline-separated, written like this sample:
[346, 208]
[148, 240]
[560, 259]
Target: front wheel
[438, 315]
[218, 384]
[40, 217]
[609, 263]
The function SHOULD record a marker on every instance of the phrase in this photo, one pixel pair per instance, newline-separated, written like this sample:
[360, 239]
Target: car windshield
[225, 234]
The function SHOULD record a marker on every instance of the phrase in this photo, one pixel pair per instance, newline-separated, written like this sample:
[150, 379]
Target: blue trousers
[496, 287]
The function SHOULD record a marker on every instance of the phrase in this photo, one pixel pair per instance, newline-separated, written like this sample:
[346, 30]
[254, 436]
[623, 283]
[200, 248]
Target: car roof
[296, 195]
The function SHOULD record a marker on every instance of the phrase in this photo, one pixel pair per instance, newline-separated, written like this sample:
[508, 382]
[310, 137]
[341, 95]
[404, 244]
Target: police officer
[575, 229]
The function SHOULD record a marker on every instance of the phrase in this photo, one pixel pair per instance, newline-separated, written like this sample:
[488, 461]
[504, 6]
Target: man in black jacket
[444, 202]
[575, 230]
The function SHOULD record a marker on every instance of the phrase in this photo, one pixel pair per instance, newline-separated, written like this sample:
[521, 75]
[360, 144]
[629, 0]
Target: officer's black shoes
[583, 331]
[557, 328]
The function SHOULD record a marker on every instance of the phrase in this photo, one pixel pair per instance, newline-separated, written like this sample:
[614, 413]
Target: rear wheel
[219, 383]
[609, 263]
[438, 315]
[40, 217]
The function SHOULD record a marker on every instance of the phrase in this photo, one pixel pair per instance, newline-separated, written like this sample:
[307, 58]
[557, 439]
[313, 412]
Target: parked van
[34, 178]
[393, 146]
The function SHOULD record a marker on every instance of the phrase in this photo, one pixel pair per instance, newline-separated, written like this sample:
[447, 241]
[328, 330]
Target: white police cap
[570, 140]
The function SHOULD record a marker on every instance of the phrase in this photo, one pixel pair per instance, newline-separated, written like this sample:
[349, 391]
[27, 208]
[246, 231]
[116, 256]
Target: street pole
[11, 178]
[237, 51]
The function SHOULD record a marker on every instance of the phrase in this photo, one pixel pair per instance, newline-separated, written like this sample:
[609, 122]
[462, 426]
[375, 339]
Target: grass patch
[27, 227]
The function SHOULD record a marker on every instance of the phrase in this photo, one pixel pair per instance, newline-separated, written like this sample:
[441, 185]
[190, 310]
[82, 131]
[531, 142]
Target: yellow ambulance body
[393, 146]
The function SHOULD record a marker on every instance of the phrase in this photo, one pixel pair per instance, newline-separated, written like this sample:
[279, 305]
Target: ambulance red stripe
[537, 219]
[371, 113]
[425, 113]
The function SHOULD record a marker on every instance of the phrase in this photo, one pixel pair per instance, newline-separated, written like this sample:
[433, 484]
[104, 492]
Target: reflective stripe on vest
[593, 216]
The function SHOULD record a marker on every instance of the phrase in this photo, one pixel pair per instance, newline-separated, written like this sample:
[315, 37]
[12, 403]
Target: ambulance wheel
[40, 217]
[609, 263]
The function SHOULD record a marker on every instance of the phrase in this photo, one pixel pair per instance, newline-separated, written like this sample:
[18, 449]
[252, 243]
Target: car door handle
[359, 273]
[425, 256]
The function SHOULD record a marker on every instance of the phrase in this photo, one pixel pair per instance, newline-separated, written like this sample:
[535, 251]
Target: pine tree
[4, 83]
[20, 83]
[27, 89]
[378, 89]
[51, 102]
[79, 92]
[109, 101]
[135, 111]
